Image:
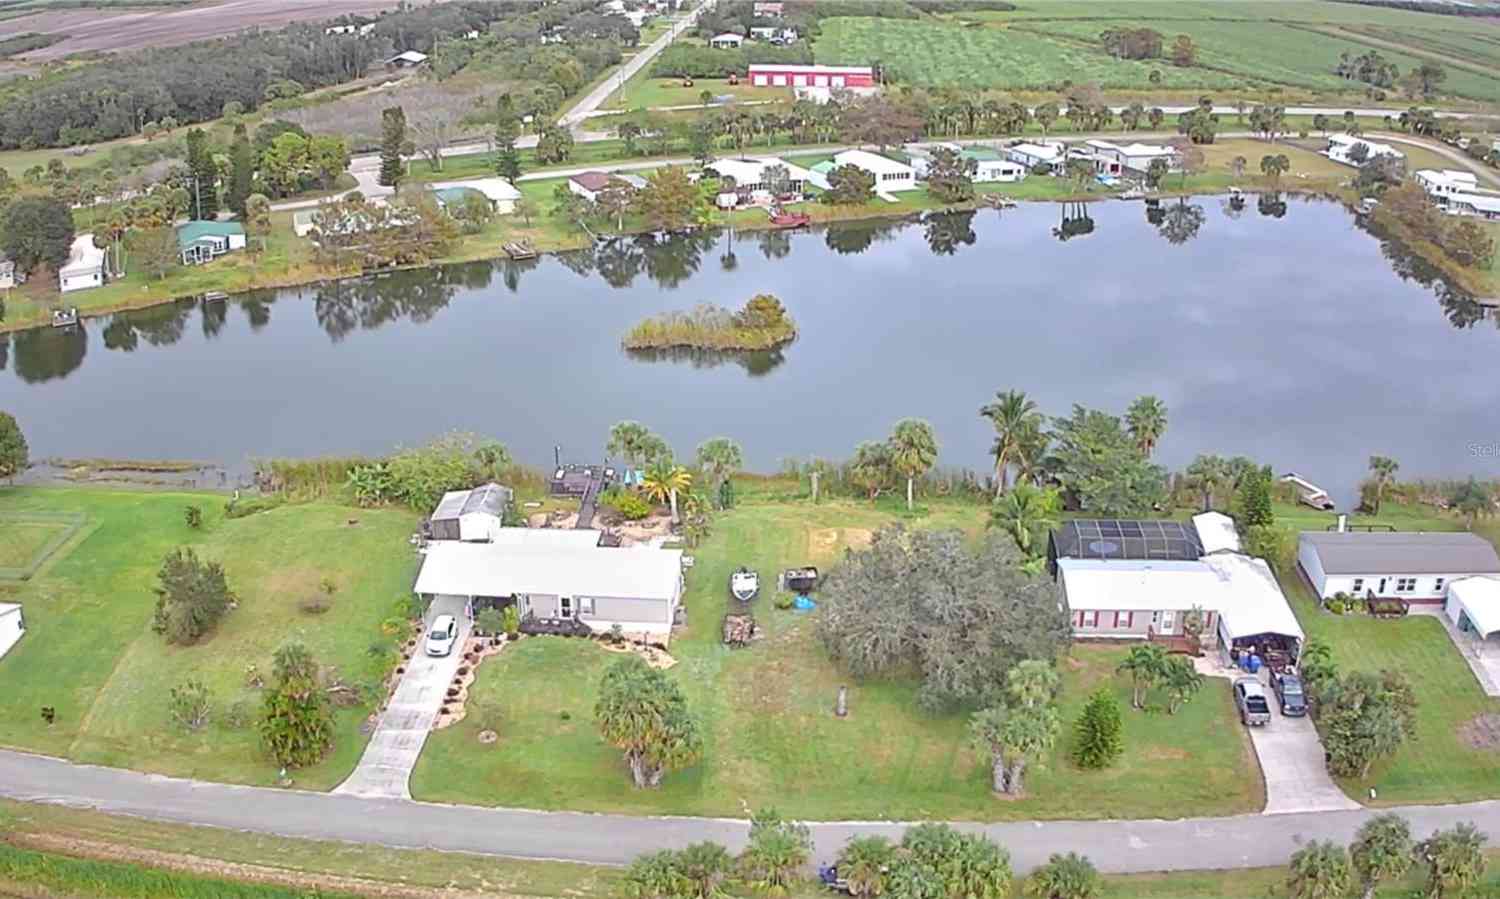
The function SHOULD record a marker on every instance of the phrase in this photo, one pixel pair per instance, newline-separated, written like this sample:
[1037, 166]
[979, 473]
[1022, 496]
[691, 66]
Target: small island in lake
[762, 324]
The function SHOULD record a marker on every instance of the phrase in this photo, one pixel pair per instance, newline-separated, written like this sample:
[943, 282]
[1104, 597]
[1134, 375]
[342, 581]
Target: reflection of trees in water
[667, 259]
[415, 295]
[161, 325]
[1459, 306]
[213, 317]
[46, 353]
[947, 231]
[775, 244]
[619, 262]
[755, 363]
[1271, 205]
[1181, 222]
[4, 350]
[1234, 207]
[853, 239]
[728, 261]
[257, 307]
[512, 269]
[671, 259]
[1076, 222]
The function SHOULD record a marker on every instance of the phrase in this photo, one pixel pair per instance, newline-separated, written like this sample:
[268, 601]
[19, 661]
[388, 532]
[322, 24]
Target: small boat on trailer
[781, 219]
[65, 318]
[744, 584]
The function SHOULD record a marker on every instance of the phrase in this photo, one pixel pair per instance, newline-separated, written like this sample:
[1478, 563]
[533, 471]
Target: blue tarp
[803, 604]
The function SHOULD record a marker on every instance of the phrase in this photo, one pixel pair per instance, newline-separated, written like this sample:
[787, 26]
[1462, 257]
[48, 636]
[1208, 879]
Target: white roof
[1136, 149]
[412, 56]
[1242, 590]
[498, 569]
[1216, 532]
[498, 190]
[750, 171]
[1480, 598]
[771, 69]
[727, 36]
[1040, 151]
[872, 162]
[1137, 586]
[1482, 202]
[1250, 601]
[83, 257]
[7, 608]
[1448, 177]
[1349, 140]
[588, 537]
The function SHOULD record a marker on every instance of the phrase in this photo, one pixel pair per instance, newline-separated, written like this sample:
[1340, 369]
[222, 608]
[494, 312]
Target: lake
[1283, 332]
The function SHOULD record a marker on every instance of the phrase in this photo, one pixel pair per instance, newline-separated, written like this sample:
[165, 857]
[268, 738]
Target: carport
[1473, 605]
[1254, 616]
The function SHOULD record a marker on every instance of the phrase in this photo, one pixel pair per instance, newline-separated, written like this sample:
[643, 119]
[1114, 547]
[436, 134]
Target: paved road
[384, 770]
[594, 98]
[1115, 846]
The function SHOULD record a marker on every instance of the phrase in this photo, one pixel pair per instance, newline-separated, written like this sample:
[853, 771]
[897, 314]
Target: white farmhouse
[85, 268]
[1032, 155]
[1441, 184]
[890, 175]
[1341, 146]
[1136, 157]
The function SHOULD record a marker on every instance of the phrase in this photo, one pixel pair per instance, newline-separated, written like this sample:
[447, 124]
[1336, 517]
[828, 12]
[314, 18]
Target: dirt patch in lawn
[1482, 732]
[825, 543]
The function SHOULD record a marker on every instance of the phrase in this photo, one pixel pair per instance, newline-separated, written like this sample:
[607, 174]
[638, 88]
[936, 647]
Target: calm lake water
[1289, 338]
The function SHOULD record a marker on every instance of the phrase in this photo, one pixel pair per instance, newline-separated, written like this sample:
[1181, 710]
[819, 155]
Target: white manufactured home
[637, 588]
[1412, 565]
[12, 626]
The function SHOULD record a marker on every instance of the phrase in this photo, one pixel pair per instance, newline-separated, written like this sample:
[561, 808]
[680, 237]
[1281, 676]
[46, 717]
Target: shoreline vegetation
[761, 324]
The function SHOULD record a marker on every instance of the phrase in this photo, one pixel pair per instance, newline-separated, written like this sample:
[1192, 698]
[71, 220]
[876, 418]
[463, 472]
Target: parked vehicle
[828, 875]
[1250, 699]
[1289, 694]
[800, 580]
[442, 636]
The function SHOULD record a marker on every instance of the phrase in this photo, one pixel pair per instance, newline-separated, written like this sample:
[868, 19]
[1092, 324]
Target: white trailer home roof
[499, 569]
[1216, 532]
[1250, 600]
[872, 162]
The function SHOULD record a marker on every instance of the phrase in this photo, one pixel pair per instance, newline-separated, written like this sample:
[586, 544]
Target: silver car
[442, 636]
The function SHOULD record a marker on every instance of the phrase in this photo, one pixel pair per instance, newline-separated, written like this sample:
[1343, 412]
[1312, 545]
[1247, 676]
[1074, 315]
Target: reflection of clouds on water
[755, 363]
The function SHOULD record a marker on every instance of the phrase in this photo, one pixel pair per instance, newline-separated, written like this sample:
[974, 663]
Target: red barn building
[811, 76]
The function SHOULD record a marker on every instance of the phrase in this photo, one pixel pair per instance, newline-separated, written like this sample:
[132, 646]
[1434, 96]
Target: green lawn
[24, 539]
[771, 737]
[644, 91]
[89, 651]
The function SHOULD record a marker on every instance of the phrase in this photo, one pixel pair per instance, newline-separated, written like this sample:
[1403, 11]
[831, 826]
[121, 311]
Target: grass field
[771, 737]
[90, 653]
[642, 91]
[940, 54]
[24, 539]
[1244, 46]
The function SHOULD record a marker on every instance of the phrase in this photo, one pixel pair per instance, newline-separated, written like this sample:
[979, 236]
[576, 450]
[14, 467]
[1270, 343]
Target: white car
[442, 636]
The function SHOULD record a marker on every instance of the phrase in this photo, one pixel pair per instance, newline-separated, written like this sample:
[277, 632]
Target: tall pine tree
[205, 174]
[1100, 738]
[392, 138]
[241, 171]
[1253, 502]
[507, 157]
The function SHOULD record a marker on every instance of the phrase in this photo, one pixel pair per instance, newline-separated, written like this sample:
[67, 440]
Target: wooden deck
[1180, 644]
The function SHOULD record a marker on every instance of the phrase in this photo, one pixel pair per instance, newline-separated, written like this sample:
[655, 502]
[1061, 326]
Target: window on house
[585, 605]
[1090, 618]
[1437, 585]
[1406, 584]
[1359, 584]
[565, 607]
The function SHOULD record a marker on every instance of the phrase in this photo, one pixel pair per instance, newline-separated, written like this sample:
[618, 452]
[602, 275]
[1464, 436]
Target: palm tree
[664, 480]
[1024, 513]
[1181, 680]
[627, 439]
[1012, 414]
[1145, 663]
[913, 450]
[1031, 454]
[1382, 469]
[1381, 851]
[1319, 870]
[863, 863]
[720, 457]
[1070, 876]
[1147, 420]
[1209, 474]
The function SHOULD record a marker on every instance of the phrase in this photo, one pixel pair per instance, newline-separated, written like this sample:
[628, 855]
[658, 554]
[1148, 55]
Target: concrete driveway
[384, 771]
[1291, 758]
